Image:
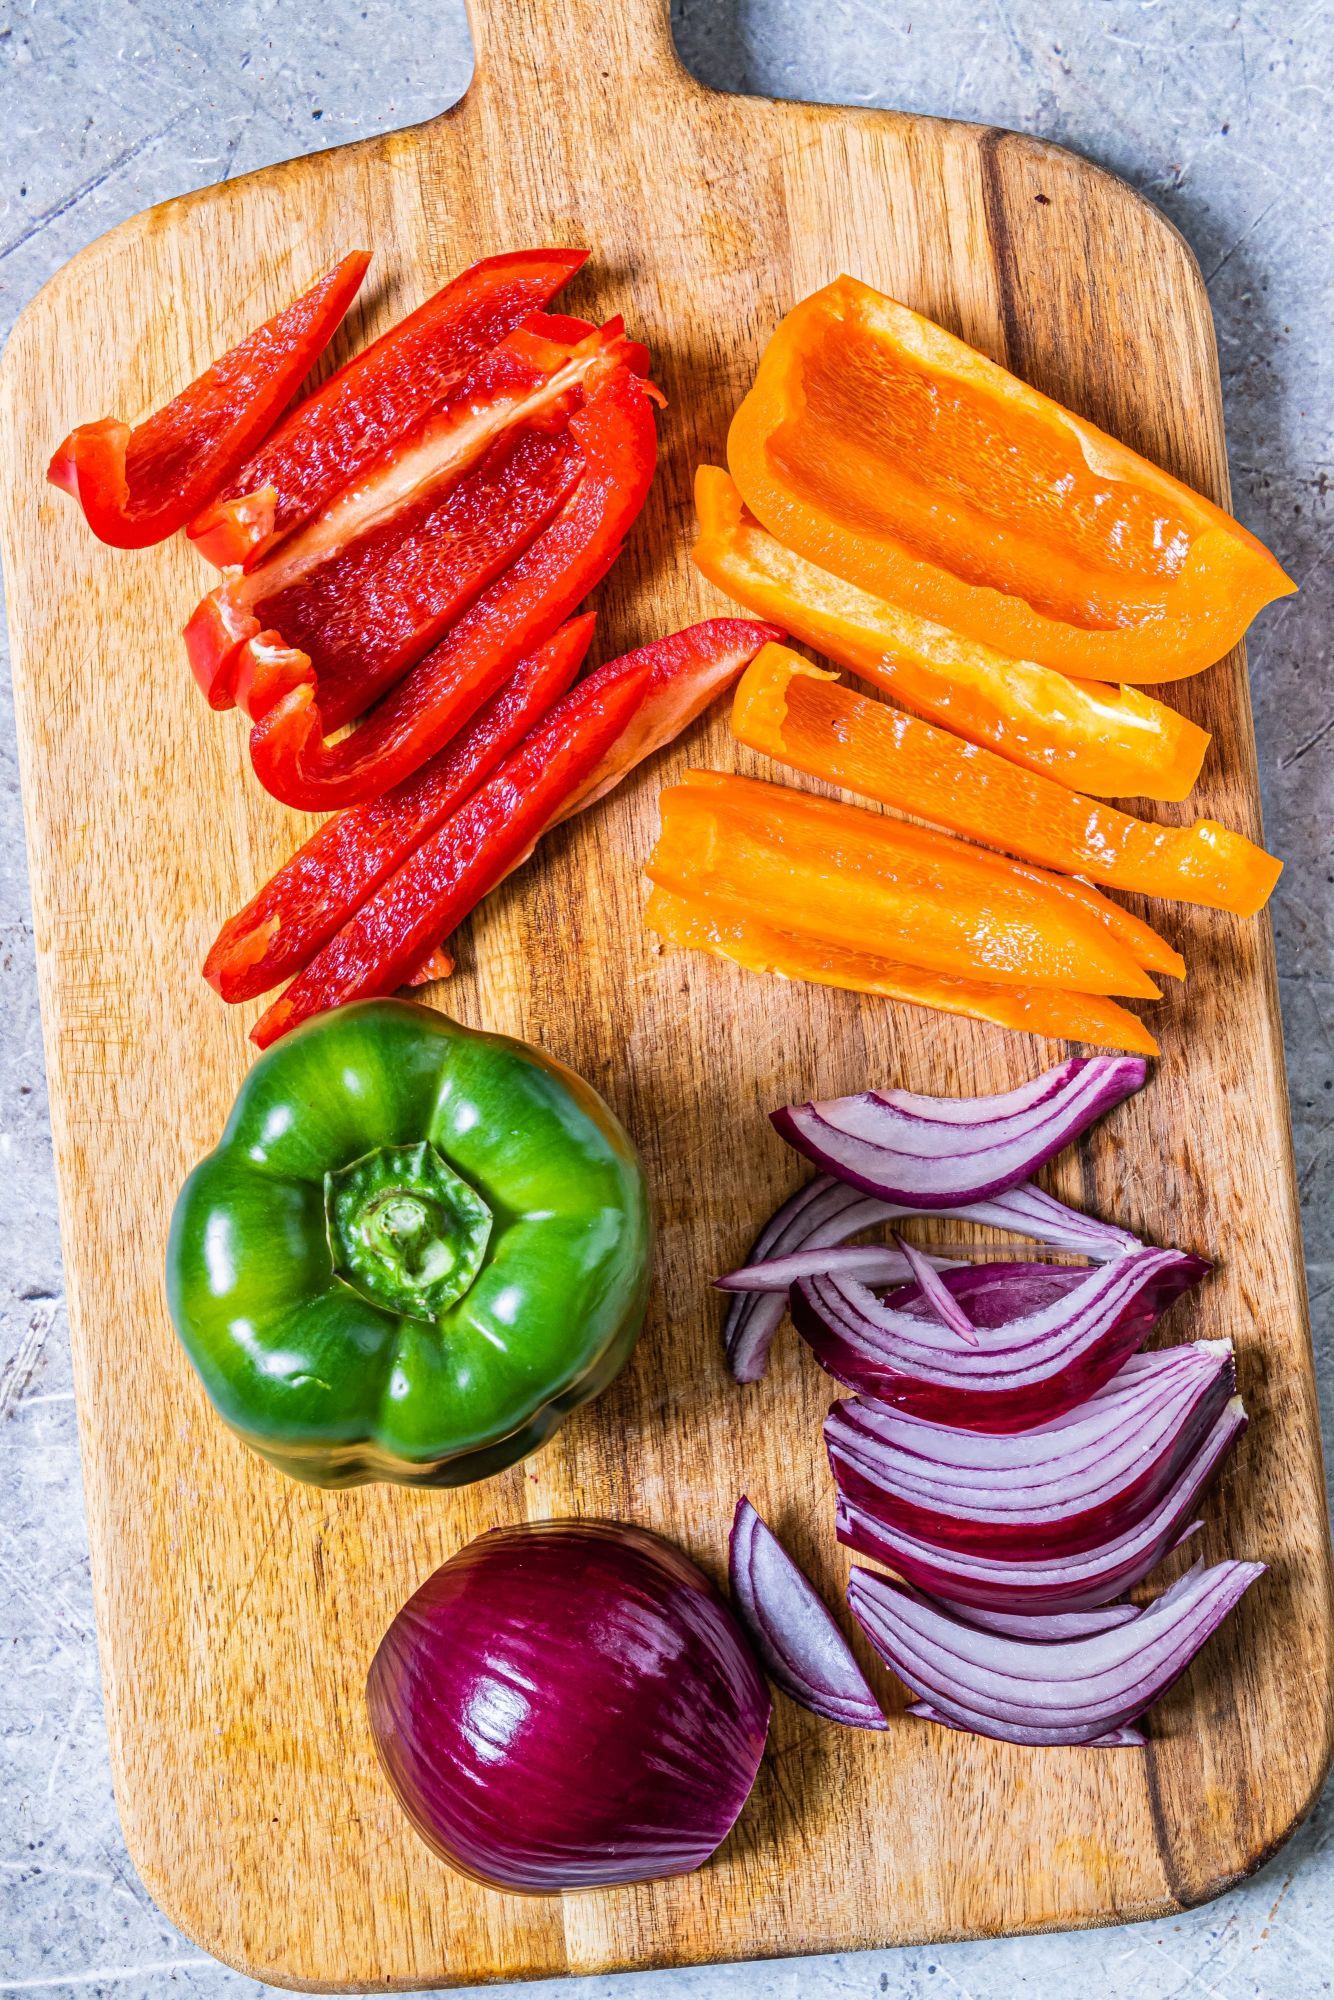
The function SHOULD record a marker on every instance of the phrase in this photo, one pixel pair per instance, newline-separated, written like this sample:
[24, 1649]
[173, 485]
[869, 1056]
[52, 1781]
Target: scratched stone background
[1220, 111]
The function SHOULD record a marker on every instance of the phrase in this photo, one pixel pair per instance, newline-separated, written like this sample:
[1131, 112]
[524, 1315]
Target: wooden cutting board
[237, 1610]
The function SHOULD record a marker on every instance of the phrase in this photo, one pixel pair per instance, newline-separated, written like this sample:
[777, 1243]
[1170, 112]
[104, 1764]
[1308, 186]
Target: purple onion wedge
[1040, 1582]
[1077, 1691]
[1061, 1487]
[873, 1263]
[800, 1647]
[1127, 1737]
[803, 1239]
[1048, 1337]
[935, 1152]
[1044, 1627]
[823, 1212]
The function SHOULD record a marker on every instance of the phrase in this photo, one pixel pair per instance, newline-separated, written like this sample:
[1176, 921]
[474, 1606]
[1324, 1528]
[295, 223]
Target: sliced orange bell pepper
[805, 717]
[868, 883]
[879, 446]
[701, 924]
[1113, 742]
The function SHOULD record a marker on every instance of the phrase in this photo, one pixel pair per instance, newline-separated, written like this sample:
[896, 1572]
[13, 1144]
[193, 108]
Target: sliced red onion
[937, 1296]
[1127, 1737]
[873, 1263]
[801, 1648]
[1073, 1692]
[1044, 1626]
[1030, 1211]
[1062, 1486]
[1048, 1336]
[824, 1213]
[965, 1580]
[935, 1152]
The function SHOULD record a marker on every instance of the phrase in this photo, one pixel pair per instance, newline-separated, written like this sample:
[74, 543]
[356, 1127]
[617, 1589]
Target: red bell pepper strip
[138, 486]
[369, 614]
[327, 588]
[378, 398]
[463, 860]
[615, 432]
[328, 879]
[687, 671]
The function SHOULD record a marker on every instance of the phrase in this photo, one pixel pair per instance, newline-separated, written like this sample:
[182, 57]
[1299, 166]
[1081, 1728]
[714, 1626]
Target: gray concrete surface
[1219, 110]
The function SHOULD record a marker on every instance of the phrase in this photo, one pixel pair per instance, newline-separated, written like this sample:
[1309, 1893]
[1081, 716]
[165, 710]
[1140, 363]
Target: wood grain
[238, 1611]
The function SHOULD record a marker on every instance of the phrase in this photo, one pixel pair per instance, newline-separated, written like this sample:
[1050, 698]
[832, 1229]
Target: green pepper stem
[405, 1230]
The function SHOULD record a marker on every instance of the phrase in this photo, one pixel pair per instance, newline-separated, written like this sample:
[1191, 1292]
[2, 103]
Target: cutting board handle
[571, 51]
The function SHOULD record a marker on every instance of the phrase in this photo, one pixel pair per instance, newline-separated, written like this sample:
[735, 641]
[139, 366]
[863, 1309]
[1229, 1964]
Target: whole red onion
[568, 1704]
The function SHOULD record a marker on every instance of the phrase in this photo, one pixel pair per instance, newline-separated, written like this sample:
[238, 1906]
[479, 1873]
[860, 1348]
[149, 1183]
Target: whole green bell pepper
[415, 1249]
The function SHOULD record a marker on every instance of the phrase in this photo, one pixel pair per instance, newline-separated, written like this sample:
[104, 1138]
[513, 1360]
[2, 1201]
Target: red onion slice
[1021, 1692]
[935, 1152]
[873, 1263]
[1062, 1486]
[1044, 1627]
[801, 1648]
[1031, 1211]
[966, 1580]
[1127, 1737]
[1048, 1337]
[824, 1213]
[937, 1296]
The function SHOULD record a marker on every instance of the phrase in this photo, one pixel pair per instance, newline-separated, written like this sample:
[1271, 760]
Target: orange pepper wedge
[1113, 742]
[805, 717]
[866, 882]
[701, 924]
[879, 446]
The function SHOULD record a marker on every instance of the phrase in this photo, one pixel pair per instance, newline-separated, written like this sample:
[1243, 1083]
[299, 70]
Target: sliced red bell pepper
[687, 670]
[328, 879]
[463, 860]
[378, 398]
[137, 486]
[395, 547]
[615, 432]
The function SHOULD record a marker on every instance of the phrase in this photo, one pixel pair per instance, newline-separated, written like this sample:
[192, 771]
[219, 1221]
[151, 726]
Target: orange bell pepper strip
[865, 882]
[1113, 742]
[137, 487]
[702, 925]
[880, 447]
[805, 717]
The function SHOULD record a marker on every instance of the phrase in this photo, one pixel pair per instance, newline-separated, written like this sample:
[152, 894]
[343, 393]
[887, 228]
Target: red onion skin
[983, 1290]
[568, 1705]
[1187, 1410]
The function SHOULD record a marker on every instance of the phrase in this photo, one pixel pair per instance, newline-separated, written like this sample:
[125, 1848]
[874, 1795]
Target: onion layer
[826, 1212]
[1076, 1691]
[1061, 1487]
[1048, 1337]
[801, 1647]
[935, 1152]
[568, 1704]
[965, 1580]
